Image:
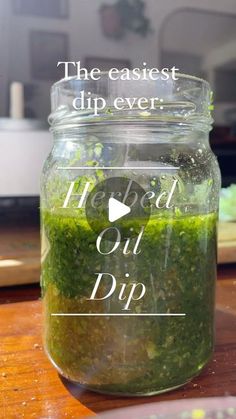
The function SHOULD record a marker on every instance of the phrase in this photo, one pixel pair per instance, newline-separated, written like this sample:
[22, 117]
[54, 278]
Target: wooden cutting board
[19, 255]
[227, 242]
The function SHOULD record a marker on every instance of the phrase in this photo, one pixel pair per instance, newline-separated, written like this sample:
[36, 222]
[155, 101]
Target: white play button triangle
[117, 210]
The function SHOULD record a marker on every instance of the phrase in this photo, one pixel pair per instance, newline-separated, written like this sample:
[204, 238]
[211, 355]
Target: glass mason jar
[133, 315]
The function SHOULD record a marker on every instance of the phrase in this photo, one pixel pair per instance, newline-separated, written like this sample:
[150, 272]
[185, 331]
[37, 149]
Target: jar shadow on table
[90, 398]
[101, 402]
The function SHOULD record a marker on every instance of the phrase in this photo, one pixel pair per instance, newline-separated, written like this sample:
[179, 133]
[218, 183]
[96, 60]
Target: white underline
[118, 314]
[115, 168]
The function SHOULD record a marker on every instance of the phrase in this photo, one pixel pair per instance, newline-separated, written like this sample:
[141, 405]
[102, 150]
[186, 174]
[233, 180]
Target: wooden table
[31, 388]
[20, 244]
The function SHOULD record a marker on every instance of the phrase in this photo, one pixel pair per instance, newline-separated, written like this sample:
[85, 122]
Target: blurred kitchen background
[197, 36]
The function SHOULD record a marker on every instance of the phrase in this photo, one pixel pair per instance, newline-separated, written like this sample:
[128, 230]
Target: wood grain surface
[19, 254]
[31, 388]
[226, 242]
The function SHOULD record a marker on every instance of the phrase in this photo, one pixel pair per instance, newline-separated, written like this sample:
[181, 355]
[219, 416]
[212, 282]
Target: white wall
[4, 54]
[21, 160]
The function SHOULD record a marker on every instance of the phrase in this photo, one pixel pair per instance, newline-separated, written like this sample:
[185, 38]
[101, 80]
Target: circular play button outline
[115, 203]
[117, 210]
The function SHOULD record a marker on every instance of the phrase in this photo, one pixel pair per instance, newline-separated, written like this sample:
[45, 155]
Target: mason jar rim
[185, 100]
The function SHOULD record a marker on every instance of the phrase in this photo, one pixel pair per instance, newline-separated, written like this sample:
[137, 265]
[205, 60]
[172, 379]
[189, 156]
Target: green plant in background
[228, 203]
[125, 15]
[132, 16]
